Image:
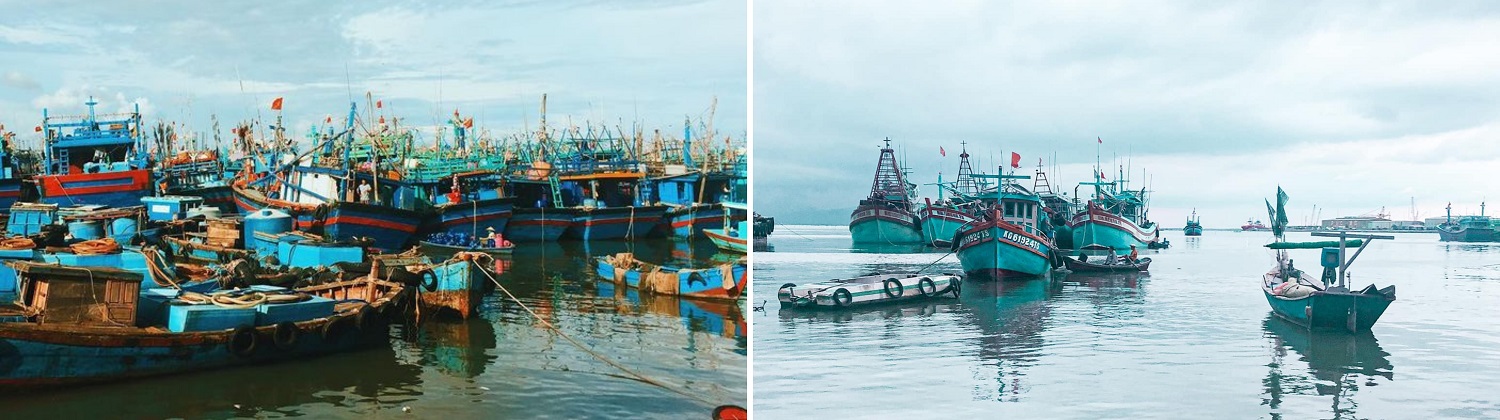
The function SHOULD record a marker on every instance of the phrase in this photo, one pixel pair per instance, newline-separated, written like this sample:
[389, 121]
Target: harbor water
[1194, 338]
[501, 364]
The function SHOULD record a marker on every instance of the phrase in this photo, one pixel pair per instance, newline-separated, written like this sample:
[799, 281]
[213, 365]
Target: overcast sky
[649, 61]
[1349, 107]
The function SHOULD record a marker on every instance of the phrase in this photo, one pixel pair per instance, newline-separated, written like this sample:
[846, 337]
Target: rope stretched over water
[637, 375]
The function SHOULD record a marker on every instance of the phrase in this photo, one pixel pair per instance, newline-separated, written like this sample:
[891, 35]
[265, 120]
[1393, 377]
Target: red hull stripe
[468, 220]
[538, 222]
[372, 222]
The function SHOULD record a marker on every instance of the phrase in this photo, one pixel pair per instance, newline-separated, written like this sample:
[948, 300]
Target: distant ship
[1467, 228]
[1193, 228]
[1253, 226]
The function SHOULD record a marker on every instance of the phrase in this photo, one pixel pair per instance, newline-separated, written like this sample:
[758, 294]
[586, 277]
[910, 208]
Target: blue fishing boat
[191, 170]
[1011, 239]
[12, 172]
[693, 201]
[887, 215]
[732, 237]
[608, 205]
[100, 161]
[1114, 218]
[471, 202]
[1326, 301]
[1193, 228]
[456, 285]
[724, 282]
[538, 213]
[1467, 228]
[76, 325]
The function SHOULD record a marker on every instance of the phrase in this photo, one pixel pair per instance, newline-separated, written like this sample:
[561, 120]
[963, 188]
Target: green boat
[1325, 302]
[1012, 238]
[886, 216]
[1115, 218]
[1193, 228]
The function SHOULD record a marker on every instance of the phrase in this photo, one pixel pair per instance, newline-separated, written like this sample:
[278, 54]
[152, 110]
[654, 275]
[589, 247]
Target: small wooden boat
[458, 284]
[1098, 266]
[451, 249]
[726, 281]
[1325, 302]
[870, 289]
[77, 325]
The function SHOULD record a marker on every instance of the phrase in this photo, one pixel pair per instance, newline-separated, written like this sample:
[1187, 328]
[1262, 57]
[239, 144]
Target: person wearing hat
[1133, 255]
[492, 240]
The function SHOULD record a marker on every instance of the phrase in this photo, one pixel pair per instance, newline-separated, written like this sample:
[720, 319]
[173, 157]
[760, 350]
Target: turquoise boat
[732, 237]
[1011, 240]
[1467, 228]
[1326, 302]
[1193, 228]
[456, 285]
[886, 216]
[1115, 218]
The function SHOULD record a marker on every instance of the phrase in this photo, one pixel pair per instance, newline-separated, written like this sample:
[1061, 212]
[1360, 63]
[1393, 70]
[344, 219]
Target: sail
[1278, 223]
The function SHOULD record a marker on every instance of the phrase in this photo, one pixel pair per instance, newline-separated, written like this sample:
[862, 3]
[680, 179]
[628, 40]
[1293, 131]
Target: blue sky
[1349, 106]
[655, 62]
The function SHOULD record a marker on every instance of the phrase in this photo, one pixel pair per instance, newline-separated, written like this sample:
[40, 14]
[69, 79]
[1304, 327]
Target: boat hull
[1466, 235]
[869, 290]
[389, 228]
[689, 221]
[883, 225]
[726, 242]
[114, 189]
[458, 287]
[537, 224]
[615, 222]
[1002, 251]
[1089, 267]
[1331, 310]
[1192, 231]
[1097, 227]
[940, 224]
[220, 196]
[10, 192]
[475, 217]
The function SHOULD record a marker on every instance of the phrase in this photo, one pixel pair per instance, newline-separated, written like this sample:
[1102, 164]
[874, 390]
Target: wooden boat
[886, 216]
[870, 289]
[1084, 266]
[456, 285]
[101, 162]
[60, 334]
[1325, 302]
[1011, 239]
[727, 281]
[731, 237]
[1115, 217]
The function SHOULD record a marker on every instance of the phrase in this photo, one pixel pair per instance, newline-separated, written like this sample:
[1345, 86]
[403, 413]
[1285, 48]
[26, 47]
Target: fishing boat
[608, 205]
[762, 229]
[1115, 217]
[1081, 264]
[726, 281]
[186, 168]
[694, 201]
[470, 202]
[538, 213]
[60, 335]
[1193, 228]
[870, 289]
[1467, 228]
[456, 285]
[450, 243]
[1057, 207]
[101, 162]
[731, 237]
[12, 172]
[1253, 226]
[886, 216]
[1326, 301]
[941, 220]
[1011, 239]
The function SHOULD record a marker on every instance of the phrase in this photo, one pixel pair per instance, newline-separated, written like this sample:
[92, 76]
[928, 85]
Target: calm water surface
[501, 365]
[1193, 339]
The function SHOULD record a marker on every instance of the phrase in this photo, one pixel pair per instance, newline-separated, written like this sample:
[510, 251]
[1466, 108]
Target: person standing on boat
[364, 191]
[454, 195]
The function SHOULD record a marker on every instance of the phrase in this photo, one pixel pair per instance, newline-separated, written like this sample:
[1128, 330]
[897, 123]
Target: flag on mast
[276, 104]
[1101, 140]
[1015, 160]
[942, 152]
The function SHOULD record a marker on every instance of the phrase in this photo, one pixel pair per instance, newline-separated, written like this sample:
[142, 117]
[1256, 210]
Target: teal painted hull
[879, 231]
[1327, 310]
[992, 253]
[1064, 237]
[1088, 233]
[1192, 231]
[939, 232]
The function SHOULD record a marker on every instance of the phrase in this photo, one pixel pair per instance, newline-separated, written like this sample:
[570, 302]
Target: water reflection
[1338, 364]
[1193, 242]
[884, 310]
[1010, 316]
[358, 382]
[721, 318]
[892, 249]
[459, 348]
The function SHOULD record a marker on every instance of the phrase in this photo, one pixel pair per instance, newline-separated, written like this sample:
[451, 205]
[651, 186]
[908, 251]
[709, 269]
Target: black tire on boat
[335, 328]
[429, 280]
[284, 337]
[899, 291]
[243, 341]
[957, 286]
[366, 318]
[842, 297]
[926, 287]
[788, 285]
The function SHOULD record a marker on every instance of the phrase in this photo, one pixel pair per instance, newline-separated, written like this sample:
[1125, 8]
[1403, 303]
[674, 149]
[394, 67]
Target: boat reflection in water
[1338, 363]
[721, 318]
[363, 381]
[882, 248]
[455, 347]
[897, 309]
[1011, 316]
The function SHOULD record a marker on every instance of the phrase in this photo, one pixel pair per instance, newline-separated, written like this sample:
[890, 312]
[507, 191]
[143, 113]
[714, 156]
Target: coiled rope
[17, 243]
[95, 247]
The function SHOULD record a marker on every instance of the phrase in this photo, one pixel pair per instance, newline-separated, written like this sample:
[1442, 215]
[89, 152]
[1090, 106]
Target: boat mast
[890, 183]
[965, 182]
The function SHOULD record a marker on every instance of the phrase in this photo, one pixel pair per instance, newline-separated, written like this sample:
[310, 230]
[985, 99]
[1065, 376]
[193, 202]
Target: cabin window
[1010, 209]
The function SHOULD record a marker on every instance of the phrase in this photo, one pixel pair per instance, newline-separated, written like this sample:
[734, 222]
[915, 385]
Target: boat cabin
[86, 144]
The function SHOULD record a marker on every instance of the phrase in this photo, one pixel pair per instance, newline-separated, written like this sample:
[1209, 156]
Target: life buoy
[926, 286]
[895, 292]
[334, 328]
[243, 341]
[842, 297]
[284, 337]
[430, 280]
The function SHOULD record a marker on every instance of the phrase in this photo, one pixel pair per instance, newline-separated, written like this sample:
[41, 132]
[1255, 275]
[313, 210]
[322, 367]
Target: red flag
[39, 129]
[276, 104]
[1101, 140]
[328, 119]
[1015, 160]
[1101, 175]
[941, 151]
[382, 119]
[377, 104]
[469, 123]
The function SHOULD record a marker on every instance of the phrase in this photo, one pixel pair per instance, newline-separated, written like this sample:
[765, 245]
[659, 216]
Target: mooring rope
[637, 375]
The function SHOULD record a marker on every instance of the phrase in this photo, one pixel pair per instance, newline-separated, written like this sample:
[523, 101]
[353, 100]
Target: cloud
[20, 81]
